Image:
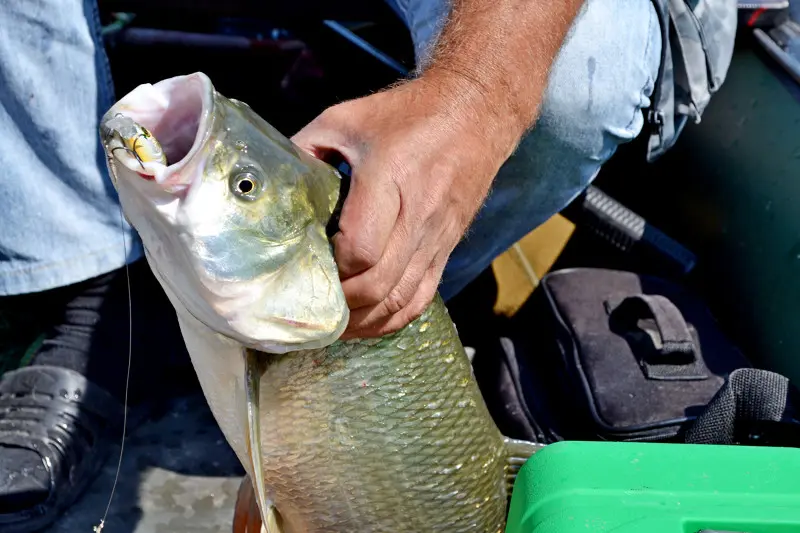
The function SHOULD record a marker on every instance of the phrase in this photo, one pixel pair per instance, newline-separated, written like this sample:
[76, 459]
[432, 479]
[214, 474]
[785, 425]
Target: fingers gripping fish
[367, 435]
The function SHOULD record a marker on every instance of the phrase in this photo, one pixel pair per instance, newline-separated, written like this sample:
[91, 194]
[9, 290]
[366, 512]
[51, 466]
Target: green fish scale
[386, 435]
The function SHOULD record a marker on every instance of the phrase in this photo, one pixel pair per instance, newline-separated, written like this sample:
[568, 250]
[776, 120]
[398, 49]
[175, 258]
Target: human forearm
[494, 56]
[425, 152]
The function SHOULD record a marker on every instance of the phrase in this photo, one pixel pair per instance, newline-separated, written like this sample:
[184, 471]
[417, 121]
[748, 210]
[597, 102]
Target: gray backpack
[698, 37]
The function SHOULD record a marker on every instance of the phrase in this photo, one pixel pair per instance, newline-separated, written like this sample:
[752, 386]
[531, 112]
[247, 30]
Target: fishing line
[98, 528]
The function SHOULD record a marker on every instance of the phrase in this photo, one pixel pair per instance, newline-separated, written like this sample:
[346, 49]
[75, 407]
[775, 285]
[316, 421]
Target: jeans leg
[599, 84]
[60, 219]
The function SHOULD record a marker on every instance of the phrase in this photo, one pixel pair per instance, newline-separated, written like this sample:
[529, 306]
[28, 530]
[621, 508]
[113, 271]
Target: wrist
[484, 108]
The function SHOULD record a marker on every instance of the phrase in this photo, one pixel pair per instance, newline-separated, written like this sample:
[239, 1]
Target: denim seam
[646, 60]
[100, 50]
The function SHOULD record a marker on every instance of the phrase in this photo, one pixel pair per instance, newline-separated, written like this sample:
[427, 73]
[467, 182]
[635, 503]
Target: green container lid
[571, 487]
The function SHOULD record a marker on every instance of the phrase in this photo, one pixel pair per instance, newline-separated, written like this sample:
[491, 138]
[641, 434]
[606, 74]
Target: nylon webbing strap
[672, 328]
[749, 395]
[659, 335]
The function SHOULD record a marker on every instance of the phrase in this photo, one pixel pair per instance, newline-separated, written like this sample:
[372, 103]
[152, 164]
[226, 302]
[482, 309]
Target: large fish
[373, 435]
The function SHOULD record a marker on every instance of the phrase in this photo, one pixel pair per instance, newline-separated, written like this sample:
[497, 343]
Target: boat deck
[178, 475]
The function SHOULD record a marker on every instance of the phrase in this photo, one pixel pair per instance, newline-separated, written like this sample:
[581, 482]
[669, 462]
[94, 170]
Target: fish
[386, 434]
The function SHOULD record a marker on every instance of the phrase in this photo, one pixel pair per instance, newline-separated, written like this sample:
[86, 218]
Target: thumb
[330, 135]
[373, 202]
[368, 216]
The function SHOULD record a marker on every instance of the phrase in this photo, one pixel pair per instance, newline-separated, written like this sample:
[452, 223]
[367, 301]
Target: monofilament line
[98, 528]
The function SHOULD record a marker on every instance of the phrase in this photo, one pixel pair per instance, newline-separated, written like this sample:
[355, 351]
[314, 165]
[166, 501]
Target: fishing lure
[137, 144]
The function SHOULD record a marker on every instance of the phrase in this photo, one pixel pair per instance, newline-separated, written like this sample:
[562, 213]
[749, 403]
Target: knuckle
[320, 122]
[332, 122]
[340, 117]
[330, 114]
[364, 257]
[375, 293]
[354, 257]
[395, 300]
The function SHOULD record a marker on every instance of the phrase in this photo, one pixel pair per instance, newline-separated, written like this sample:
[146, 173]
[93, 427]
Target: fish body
[367, 435]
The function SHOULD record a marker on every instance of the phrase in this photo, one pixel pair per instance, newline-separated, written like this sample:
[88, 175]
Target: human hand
[423, 155]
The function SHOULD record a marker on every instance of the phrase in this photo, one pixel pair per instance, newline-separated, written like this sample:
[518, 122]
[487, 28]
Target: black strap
[672, 328]
[751, 403]
[672, 354]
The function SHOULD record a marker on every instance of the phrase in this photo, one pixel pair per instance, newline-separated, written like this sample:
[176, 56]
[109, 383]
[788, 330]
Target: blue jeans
[59, 216]
[600, 82]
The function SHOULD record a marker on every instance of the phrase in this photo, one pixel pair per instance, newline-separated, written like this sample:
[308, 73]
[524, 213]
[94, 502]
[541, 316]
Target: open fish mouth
[253, 264]
[173, 119]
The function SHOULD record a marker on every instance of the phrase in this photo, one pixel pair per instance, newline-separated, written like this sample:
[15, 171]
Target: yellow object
[146, 147]
[519, 269]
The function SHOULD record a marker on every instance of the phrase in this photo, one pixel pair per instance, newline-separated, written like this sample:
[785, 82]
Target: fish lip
[228, 330]
[295, 323]
[276, 346]
[290, 322]
[171, 178]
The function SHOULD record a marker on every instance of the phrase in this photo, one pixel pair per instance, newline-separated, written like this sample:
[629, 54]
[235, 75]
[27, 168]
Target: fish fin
[517, 454]
[272, 520]
[253, 370]
[247, 515]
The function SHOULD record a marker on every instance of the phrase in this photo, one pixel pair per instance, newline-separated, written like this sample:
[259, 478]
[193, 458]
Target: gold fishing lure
[134, 140]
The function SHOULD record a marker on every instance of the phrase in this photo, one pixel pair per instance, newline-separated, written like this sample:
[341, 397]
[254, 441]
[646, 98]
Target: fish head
[231, 213]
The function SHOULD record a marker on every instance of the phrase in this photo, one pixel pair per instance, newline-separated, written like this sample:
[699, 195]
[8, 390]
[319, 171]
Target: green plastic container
[586, 487]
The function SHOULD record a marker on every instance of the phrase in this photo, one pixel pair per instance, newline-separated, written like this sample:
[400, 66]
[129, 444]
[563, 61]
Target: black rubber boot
[61, 414]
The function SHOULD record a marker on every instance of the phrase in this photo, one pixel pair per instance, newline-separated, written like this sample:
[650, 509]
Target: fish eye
[246, 185]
